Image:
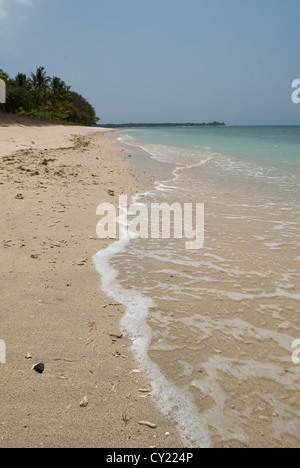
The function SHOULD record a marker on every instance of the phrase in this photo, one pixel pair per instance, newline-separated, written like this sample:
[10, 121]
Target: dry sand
[52, 178]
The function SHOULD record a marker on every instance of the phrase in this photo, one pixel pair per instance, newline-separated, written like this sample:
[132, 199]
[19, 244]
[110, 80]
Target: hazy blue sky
[163, 60]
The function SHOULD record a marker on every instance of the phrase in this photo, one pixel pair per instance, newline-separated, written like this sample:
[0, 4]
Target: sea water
[213, 329]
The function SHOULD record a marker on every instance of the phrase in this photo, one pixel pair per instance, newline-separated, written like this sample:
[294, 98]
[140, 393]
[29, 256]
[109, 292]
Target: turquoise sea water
[278, 146]
[212, 329]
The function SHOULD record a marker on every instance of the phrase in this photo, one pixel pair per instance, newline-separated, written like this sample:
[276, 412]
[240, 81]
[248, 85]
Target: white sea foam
[176, 404]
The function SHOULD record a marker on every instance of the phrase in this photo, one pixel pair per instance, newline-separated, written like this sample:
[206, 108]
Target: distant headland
[143, 125]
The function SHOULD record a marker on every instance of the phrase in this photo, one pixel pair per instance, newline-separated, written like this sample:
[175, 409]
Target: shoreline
[224, 321]
[51, 182]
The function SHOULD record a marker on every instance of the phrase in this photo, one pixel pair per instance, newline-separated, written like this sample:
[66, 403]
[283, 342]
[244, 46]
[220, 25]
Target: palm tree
[21, 80]
[40, 85]
[59, 89]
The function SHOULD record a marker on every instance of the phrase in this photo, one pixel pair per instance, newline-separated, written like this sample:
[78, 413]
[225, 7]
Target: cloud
[3, 11]
[27, 3]
[4, 6]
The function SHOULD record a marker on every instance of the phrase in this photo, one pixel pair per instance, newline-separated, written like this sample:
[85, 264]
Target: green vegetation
[42, 97]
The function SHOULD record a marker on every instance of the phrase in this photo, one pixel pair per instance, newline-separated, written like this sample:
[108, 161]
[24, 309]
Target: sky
[163, 60]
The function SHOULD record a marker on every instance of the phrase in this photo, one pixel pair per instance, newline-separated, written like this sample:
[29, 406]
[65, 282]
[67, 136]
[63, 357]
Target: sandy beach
[52, 178]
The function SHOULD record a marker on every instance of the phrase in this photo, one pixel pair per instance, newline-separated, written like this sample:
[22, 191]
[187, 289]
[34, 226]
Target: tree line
[146, 125]
[44, 97]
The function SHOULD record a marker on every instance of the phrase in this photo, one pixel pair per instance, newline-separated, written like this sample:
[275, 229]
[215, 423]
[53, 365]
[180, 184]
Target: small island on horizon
[143, 125]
